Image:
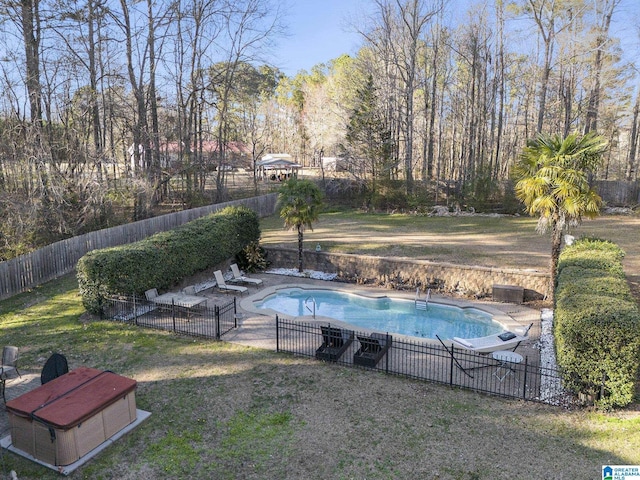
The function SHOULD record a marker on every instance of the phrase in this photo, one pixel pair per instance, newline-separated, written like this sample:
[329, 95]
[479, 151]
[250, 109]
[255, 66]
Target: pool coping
[247, 304]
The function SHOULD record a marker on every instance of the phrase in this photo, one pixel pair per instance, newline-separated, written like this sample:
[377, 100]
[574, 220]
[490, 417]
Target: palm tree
[552, 177]
[299, 202]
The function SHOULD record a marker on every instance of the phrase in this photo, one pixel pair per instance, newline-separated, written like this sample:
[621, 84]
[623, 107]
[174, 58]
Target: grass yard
[229, 412]
[491, 241]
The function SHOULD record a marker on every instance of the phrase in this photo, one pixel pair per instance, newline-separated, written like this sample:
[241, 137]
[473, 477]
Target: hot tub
[66, 418]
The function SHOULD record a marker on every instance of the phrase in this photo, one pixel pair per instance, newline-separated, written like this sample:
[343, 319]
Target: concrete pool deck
[258, 329]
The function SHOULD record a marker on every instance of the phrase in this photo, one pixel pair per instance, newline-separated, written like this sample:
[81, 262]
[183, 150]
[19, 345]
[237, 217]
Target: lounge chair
[492, 343]
[151, 294]
[451, 352]
[190, 290]
[335, 342]
[221, 284]
[372, 349]
[239, 278]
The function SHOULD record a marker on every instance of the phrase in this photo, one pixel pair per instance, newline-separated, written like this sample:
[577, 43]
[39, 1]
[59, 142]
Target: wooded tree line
[108, 103]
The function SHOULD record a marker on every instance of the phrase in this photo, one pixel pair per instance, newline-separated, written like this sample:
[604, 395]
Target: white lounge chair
[492, 343]
[239, 278]
[227, 288]
[151, 294]
[190, 290]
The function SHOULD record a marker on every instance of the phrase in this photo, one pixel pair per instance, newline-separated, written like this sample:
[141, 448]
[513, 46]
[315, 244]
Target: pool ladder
[420, 303]
[306, 304]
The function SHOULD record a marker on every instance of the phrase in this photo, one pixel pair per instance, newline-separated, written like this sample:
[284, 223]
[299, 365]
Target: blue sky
[317, 33]
[319, 30]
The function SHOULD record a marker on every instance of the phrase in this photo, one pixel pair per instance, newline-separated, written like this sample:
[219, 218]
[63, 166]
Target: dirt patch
[506, 242]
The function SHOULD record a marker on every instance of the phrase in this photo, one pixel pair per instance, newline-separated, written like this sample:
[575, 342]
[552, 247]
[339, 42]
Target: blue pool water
[393, 315]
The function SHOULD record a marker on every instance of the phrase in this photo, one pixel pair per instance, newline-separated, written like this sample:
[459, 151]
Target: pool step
[421, 304]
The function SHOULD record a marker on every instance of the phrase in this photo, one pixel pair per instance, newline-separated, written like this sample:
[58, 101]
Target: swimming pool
[384, 314]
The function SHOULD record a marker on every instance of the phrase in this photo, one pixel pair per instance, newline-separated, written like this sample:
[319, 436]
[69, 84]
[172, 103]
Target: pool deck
[258, 330]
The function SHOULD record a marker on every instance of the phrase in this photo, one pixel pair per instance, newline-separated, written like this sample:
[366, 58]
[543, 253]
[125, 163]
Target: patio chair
[372, 349]
[9, 363]
[492, 343]
[151, 294]
[54, 367]
[335, 342]
[9, 360]
[222, 285]
[238, 277]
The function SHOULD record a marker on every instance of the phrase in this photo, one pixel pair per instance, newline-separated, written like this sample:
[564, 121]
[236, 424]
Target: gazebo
[277, 167]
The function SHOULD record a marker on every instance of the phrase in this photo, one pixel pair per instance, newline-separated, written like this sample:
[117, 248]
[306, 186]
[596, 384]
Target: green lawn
[227, 412]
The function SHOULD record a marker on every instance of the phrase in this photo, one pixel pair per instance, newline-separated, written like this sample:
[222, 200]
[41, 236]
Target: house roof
[208, 146]
[277, 160]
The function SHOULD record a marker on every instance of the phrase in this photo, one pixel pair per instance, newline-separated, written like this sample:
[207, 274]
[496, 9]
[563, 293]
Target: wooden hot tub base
[63, 420]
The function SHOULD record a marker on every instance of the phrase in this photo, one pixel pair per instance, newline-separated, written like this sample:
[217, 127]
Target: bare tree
[604, 11]
[398, 37]
[249, 26]
[551, 17]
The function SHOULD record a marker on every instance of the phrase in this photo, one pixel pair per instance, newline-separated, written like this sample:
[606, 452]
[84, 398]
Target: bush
[597, 324]
[584, 280]
[163, 259]
[252, 258]
[593, 254]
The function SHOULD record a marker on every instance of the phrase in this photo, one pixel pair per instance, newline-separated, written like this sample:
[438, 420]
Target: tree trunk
[556, 244]
[633, 143]
[153, 101]
[31, 35]
[93, 81]
[593, 108]
[300, 237]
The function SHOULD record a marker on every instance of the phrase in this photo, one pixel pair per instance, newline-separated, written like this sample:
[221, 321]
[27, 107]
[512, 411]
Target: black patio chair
[335, 342]
[372, 349]
[54, 367]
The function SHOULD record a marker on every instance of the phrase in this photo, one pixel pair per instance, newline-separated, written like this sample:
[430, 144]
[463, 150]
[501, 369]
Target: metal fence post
[173, 314]
[235, 313]
[451, 369]
[524, 384]
[386, 357]
[277, 334]
[217, 321]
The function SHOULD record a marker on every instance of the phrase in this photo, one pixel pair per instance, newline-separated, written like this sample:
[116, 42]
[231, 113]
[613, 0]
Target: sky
[317, 33]
[318, 30]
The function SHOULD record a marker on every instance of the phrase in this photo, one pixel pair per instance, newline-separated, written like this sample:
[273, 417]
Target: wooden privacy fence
[618, 192]
[26, 271]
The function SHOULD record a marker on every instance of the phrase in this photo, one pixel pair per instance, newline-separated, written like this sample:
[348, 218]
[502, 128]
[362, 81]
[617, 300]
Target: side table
[505, 359]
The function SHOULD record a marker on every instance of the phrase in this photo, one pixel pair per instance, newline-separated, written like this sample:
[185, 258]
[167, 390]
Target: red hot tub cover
[72, 398]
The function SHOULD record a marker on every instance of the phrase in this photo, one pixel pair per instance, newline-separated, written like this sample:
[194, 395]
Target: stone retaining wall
[407, 273]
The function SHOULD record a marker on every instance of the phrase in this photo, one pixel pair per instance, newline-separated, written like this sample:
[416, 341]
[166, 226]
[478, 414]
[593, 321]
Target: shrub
[593, 254]
[597, 324]
[165, 258]
[252, 258]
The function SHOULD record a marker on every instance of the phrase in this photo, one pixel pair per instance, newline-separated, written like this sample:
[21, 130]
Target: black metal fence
[527, 379]
[205, 320]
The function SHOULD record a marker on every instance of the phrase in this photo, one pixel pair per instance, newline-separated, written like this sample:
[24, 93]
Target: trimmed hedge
[597, 324]
[162, 260]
